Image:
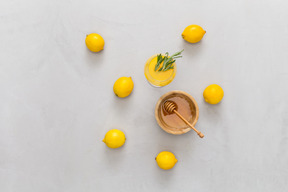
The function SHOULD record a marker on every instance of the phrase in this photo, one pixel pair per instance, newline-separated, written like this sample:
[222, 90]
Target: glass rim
[158, 81]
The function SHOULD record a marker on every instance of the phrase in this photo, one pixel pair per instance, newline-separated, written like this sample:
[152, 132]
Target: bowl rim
[181, 130]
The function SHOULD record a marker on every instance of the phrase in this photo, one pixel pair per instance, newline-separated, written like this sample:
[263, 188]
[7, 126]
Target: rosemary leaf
[159, 61]
[169, 68]
[169, 64]
[167, 61]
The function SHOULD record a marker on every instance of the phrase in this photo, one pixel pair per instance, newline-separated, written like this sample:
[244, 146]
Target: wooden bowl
[190, 111]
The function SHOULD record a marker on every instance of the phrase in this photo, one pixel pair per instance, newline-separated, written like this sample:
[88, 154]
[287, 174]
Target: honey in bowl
[186, 106]
[183, 107]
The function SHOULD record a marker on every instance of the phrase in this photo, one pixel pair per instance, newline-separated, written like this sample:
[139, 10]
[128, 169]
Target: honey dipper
[171, 107]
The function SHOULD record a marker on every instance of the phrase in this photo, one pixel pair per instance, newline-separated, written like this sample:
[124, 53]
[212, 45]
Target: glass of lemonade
[159, 78]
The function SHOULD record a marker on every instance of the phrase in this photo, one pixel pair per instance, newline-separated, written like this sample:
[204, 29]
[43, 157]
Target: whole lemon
[166, 160]
[114, 138]
[123, 86]
[213, 94]
[193, 33]
[94, 42]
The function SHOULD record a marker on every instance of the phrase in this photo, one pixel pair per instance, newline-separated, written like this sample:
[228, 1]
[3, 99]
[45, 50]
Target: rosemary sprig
[159, 61]
[168, 62]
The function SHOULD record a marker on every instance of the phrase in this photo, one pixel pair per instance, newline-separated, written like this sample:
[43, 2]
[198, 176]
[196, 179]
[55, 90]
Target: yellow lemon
[166, 160]
[213, 94]
[123, 86]
[94, 42]
[193, 33]
[114, 138]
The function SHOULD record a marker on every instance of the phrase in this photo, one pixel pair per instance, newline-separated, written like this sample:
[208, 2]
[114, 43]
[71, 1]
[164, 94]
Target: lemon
[193, 33]
[166, 160]
[123, 86]
[114, 138]
[94, 42]
[213, 94]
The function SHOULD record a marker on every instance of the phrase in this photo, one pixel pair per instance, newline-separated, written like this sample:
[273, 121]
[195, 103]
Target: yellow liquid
[158, 78]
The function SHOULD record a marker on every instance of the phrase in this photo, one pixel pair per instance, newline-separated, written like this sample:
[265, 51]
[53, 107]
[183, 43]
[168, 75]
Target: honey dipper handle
[180, 116]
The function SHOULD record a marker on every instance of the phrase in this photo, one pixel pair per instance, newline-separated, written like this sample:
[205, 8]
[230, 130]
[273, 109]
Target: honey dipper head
[170, 106]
